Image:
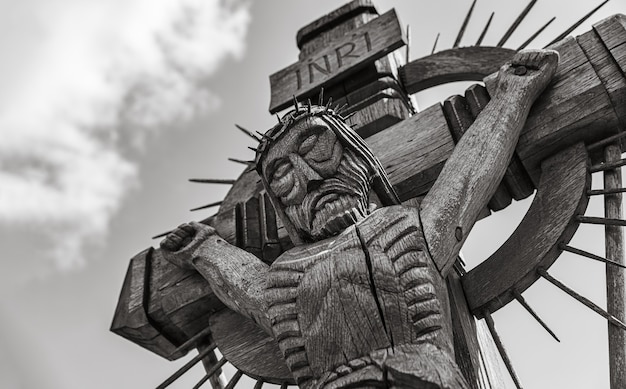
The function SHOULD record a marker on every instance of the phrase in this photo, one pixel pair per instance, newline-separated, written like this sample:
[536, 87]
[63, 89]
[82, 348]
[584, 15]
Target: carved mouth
[333, 213]
[324, 199]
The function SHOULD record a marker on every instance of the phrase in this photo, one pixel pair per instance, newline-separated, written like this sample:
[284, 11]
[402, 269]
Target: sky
[107, 108]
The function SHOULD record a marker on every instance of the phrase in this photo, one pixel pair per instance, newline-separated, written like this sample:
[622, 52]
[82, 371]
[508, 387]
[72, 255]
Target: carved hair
[348, 138]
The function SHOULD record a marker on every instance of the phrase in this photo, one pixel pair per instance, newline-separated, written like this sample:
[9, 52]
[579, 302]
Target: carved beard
[338, 203]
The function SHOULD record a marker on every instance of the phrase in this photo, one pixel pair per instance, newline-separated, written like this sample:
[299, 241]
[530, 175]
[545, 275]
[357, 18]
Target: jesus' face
[321, 186]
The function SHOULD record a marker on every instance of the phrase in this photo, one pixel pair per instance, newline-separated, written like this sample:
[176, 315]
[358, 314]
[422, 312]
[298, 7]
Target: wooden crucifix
[333, 263]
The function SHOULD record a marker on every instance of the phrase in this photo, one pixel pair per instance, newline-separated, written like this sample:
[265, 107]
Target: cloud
[80, 76]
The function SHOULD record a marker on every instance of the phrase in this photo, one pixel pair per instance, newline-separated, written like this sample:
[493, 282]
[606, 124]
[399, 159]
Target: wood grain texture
[459, 64]
[576, 107]
[476, 167]
[236, 277]
[131, 320]
[340, 16]
[413, 151]
[343, 57]
[550, 220]
[249, 348]
[466, 347]
[615, 282]
[379, 113]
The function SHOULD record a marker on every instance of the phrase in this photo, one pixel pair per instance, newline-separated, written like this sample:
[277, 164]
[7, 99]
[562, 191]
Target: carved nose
[313, 185]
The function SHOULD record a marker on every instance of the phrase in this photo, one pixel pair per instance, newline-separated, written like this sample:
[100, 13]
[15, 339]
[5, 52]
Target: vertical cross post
[615, 283]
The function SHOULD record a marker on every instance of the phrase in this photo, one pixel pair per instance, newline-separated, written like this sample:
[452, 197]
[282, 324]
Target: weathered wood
[380, 113]
[492, 376]
[575, 108]
[249, 348]
[561, 195]
[460, 64]
[333, 25]
[615, 283]
[183, 299]
[269, 229]
[369, 42]
[477, 99]
[505, 358]
[421, 145]
[354, 97]
[131, 320]
[466, 347]
[476, 167]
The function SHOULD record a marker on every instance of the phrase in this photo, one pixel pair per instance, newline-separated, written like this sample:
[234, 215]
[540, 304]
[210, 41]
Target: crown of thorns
[299, 112]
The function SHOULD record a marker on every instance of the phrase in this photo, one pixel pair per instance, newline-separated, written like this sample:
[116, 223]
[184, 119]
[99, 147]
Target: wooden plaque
[341, 58]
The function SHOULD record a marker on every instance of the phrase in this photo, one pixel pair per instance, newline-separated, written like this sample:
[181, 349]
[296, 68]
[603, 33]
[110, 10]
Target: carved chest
[349, 308]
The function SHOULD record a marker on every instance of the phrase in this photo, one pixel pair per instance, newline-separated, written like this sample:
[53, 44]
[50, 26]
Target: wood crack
[368, 262]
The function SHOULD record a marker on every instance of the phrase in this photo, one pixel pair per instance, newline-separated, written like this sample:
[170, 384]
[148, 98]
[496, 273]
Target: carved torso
[363, 308]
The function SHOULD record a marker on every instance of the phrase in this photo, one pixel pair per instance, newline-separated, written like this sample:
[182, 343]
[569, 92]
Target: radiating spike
[309, 105]
[187, 366]
[588, 303]
[601, 220]
[191, 342]
[589, 255]
[607, 166]
[520, 299]
[578, 23]
[482, 34]
[330, 101]
[606, 141]
[501, 349]
[516, 23]
[212, 180]
[161, 234]
[259, 384]
[295, 104]
[233, 381]
[595, 192]
[279, 121]
[248, 132]
[218, 203]
[253, 149]
[240, 161]
[210, 373]
[264, 136]
[340, 109]
[321, 97]
[348, 116]
[533, 36]
[457, 41]
[408, 43]
[435, 44]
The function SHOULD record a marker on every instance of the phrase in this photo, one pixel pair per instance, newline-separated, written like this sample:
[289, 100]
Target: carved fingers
[180, 245]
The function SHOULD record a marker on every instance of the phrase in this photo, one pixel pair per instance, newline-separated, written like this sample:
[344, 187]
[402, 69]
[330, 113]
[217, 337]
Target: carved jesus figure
[361, 300]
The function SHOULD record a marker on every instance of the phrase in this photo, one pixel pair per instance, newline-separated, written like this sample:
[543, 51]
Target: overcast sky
[106, 108]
